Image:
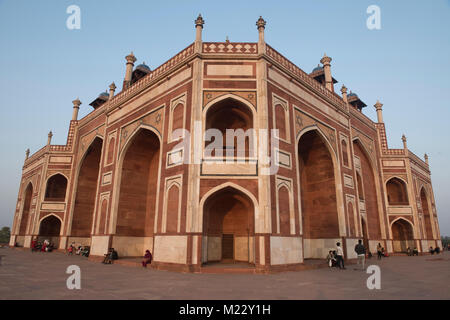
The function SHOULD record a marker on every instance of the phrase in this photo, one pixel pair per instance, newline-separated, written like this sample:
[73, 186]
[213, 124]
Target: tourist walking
[340, 256]
[361, 253]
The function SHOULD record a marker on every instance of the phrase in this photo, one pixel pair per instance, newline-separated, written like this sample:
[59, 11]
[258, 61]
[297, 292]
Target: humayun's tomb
[130, 179]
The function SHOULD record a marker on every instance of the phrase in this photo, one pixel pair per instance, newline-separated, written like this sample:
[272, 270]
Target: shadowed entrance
[26, 210]
[426, 215]
[50, 229]
[318, 195]
[368, 200]
[86, 191]
[137, 199]
[403, 236]
[228, 227]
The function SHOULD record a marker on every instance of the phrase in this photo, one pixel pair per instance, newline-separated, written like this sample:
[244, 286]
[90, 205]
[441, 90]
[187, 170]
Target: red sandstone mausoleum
[125, 179]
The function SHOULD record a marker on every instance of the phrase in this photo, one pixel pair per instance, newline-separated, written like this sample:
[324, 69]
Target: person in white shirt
[340, 256]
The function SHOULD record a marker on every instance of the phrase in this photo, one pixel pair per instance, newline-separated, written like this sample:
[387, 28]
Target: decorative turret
[261, 25]
[199, 22]
[379, 107]
[27, 154]
[76, 108]
[49, 140]
[405, 146]
[426, 158]
[327, 70]
[344, 93]
[131, 59]
[112, 89]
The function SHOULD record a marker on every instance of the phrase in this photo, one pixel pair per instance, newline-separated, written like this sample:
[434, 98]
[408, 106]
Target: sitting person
[431, 250]
[408, 251]
[437, 250]
[108, 257]
[44, 247]
[415, 252]
[147, 258]
[80, 248]
[331, 259]
[369, 254]
[85, 252]
[70, 249]
[34, 245]
[50, 247]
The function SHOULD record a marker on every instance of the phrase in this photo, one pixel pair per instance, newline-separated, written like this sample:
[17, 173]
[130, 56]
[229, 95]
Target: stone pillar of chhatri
[141, 176]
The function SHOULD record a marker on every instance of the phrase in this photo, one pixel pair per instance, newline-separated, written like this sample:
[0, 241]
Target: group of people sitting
[436, 250]
[45, 246]
[113, 255]
[80, 250]
[413, 252]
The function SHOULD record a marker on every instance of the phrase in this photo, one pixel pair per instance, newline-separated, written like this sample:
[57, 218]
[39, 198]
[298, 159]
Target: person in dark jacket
[361, 253]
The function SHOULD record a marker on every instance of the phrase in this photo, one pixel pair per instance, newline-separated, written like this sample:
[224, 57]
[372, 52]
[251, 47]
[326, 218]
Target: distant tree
[445, 240]
[5, 234]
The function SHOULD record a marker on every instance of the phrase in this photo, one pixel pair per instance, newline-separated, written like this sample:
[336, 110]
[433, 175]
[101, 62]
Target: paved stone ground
[26, 275]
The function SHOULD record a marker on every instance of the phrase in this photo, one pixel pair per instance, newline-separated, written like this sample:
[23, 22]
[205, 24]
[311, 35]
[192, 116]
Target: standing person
[379, 251]
[361, 253]
[340, 256]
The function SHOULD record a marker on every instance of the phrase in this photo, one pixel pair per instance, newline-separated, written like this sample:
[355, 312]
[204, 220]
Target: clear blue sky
[44, 66]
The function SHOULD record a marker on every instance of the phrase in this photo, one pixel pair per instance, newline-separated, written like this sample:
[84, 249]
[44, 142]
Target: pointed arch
[27, 197]
[397, 191]
[56, 187]
[230, 111]
[228, 224]
[402, 234]
[85, 189]
[371, 188]
[137, 184]
[427, 213]
[122, 150]
[337, 223]
[223, 186]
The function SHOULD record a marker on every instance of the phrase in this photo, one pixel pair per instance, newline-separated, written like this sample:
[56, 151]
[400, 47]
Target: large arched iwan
[370, 192]
[86, 190]
[426, 214]
[317, 187]
[138, 186]
[26, 209]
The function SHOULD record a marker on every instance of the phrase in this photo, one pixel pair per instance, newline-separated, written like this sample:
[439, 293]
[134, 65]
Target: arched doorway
[56, 188]
[367, 191]
[403, 236]
[49, 229]
[86, 191]
[28, 194]
[138, 191]
[228, 227]
[230, 114]
[397, 192]
[426, 215]
[318, 195]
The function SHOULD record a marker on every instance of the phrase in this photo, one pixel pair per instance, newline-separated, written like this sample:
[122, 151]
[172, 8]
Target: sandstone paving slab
[26, 275]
